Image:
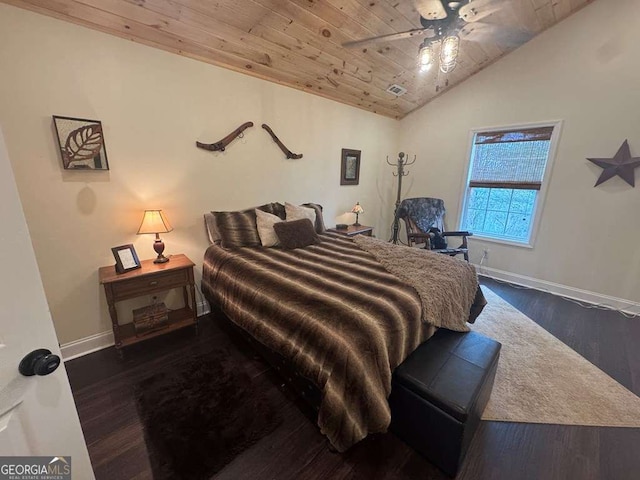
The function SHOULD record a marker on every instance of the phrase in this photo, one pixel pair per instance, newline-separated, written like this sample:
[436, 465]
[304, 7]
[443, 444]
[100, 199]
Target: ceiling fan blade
[430, 9]
[487, 32]
[416, 32]
[476, 11]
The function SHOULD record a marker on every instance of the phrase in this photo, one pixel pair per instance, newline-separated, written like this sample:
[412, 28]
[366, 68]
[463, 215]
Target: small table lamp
[154, 221]
[357, 209]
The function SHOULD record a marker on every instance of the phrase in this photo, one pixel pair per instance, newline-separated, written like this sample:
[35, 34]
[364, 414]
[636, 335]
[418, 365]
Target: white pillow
[294, 212]
[267, 234]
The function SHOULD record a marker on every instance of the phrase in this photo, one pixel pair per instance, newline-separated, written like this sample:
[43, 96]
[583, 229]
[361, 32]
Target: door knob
[39, 362]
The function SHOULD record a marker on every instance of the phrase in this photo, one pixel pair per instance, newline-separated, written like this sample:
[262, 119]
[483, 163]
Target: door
[37, 413]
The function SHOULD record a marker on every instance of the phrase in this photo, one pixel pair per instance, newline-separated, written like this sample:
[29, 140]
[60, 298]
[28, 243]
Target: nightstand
[151, 278]
[352, 230]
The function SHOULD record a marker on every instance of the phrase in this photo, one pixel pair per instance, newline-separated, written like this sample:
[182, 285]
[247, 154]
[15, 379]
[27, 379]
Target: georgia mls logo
[35, 468]
[60, 465]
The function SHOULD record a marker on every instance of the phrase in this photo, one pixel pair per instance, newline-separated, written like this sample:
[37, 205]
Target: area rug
[541, 380]
[200, 415]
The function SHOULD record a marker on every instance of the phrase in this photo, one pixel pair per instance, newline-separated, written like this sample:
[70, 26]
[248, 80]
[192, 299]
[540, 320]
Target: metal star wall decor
[622, 164]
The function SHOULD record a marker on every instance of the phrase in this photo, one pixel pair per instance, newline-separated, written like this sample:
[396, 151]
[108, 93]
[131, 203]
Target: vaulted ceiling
[299, 42]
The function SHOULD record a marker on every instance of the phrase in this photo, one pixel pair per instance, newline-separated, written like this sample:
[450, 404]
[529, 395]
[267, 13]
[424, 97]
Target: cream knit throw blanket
[446, 286]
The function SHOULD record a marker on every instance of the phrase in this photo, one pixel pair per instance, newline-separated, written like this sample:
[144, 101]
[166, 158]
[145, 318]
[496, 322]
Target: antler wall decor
[284, 149]
[400, 164]
[222, 144]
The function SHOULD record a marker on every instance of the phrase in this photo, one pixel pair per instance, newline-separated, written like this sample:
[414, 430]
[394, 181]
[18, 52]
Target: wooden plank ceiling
[299, 42]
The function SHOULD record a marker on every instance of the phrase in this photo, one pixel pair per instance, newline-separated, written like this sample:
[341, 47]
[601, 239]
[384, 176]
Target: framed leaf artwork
[81, 143]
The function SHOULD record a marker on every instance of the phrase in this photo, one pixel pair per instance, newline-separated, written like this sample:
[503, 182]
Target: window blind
[510, 159]
[510, 136]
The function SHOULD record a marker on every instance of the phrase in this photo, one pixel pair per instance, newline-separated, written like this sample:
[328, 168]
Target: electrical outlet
[485, 253]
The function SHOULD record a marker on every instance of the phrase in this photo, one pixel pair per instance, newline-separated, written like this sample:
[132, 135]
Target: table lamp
[357, 209]
[154, 221]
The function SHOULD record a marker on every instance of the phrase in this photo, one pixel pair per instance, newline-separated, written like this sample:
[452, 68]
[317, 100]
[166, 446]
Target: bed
[332, 313]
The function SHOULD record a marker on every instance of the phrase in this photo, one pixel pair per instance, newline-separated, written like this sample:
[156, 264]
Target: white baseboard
[614, 303]
[93, 343]
[86, 345]
[96, 342]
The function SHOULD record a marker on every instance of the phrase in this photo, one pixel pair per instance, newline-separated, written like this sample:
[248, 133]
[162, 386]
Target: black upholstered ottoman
[439, 393]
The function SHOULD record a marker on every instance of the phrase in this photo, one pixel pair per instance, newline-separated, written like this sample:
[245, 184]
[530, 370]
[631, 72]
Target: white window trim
[542, 193]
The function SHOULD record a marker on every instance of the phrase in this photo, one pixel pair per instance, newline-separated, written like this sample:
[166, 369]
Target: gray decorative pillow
[295, 212]
[265, 222]
[296, 233]
[239, 229]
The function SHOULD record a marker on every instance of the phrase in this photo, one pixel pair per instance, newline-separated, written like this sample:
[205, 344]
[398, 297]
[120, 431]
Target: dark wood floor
[103, 390]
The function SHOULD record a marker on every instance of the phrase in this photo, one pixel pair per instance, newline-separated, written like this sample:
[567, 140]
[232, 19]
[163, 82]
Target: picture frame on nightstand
[126, 258]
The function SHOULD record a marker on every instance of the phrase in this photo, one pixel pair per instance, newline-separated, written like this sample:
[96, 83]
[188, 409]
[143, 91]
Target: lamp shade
[357, 208]
[154, 221]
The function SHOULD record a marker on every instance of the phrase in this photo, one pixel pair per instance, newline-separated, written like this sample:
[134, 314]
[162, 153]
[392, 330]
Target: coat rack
[400, 165]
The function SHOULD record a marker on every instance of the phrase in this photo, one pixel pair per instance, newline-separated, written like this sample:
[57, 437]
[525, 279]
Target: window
[506, 174]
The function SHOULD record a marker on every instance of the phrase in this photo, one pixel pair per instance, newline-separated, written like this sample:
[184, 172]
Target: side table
[151, 278]
[352, 230]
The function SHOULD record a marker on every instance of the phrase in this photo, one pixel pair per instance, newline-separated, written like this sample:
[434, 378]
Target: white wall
[154, 106]
[586, 72]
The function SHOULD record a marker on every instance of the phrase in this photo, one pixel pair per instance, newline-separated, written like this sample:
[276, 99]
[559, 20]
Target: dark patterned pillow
[239, 229]
[278, 209]
[319, 226]
[296, 233]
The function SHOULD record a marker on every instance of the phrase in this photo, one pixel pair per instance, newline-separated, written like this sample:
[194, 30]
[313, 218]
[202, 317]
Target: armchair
[422, 214]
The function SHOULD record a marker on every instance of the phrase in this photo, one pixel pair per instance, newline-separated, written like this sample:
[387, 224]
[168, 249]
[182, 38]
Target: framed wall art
[126, 258]
[350, 167]
[81, 143]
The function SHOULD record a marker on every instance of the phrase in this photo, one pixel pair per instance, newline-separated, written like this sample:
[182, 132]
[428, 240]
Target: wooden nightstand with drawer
[353, 230]
[151, 278]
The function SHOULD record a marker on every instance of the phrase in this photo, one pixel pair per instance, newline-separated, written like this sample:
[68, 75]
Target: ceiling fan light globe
[425, 57]
[449, 49]
[448, 67]
[449, 53]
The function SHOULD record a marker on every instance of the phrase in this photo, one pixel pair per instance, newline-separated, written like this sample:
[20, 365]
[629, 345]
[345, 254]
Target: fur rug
[200, 415]
[447, 287]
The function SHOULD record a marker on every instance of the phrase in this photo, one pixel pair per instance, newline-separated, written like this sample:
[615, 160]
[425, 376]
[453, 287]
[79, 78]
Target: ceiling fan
[443, 23]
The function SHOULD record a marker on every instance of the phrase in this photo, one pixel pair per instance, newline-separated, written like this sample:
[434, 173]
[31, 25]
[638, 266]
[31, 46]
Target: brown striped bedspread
[333, 311]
